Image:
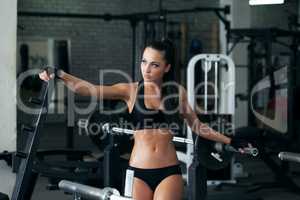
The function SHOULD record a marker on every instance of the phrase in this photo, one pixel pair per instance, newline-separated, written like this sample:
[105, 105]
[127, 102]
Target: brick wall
[96, 44]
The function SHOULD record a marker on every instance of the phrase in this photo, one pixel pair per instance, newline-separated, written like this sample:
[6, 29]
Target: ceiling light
[265, 2]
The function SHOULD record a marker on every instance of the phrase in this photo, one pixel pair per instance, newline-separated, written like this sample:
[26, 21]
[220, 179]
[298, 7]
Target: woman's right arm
[85, 88]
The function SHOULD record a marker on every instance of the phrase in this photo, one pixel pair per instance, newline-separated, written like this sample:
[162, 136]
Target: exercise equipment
[34, 162]
[248, 150]
[273, 59]
[289, 156]
[90, 193]
[215, 83]
[26, 176]
[113, 146]
[217, 156]
[223, 98]
[273, 71]
[92, 126]
[109, 129]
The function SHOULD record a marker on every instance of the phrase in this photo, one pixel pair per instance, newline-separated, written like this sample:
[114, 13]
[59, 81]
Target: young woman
[156, 168]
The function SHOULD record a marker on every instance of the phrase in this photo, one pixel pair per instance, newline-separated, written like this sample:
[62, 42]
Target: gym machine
[26, 176]
[273, 90]
[34, 162]
[216, 89]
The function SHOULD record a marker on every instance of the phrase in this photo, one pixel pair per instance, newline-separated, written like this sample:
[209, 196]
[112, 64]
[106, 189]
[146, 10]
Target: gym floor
[256, 170]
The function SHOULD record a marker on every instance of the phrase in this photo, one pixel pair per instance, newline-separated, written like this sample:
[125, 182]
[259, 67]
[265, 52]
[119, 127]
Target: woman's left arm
[195, 124]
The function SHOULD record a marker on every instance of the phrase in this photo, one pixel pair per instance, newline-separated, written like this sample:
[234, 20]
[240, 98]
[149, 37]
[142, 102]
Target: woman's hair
[167, 47]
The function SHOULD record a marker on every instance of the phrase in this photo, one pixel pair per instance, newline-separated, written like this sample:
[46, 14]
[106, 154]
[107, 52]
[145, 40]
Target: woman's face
[153, 65]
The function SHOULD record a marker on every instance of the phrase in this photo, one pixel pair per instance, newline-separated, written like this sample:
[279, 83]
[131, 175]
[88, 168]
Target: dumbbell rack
[26, 175]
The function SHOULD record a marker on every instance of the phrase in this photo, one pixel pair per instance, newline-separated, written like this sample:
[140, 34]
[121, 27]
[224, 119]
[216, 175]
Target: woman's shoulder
[131, 90]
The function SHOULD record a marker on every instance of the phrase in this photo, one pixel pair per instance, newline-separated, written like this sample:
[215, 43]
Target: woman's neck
[155, 84]
[153, 88]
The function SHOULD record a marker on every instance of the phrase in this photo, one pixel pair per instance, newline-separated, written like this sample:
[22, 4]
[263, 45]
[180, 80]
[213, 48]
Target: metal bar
[109, 17]
[183, 140]
[292, 83]
[205, 85]
[288, 156]
[131, 132]
[122, 131]
[282, 176]
[251, 47]
[106, 17]
[197, 9]
[216, 86]
[89, 192]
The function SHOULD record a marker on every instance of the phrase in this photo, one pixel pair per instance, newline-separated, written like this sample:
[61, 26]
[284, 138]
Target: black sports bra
[145, 118]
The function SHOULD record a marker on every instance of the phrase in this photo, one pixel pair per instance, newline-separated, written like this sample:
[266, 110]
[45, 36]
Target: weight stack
[223, 124]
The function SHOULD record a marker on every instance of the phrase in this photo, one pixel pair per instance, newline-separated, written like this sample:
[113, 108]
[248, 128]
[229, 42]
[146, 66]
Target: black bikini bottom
[153, 177]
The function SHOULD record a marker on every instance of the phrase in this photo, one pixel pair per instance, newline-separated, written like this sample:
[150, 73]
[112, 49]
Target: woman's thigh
[171, 188]
[141, 191]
